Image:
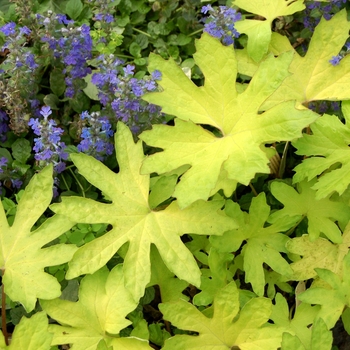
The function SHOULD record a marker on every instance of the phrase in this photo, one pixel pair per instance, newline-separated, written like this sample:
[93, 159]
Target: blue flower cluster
[48, 147]
[221, 23]
[120, 93]
[3, 126]
[316, 9]
[72, 46]
[18, 76]
[96, 135]
[336, 59]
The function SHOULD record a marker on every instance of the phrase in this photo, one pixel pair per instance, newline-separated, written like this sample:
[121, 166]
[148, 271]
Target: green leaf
[259, 31]
[263, 244]
[320, 253]
[21, 150]
[30, 334]
[327, 147]
[57, 82]
[313, 76]
[237, 151]
[299, 325]
[21, 257]
[170, 287]
[135, 49]
[321, 214]
[133, 221]
[91, 90]
[333, 299]
[345, 317]
[259, 34]
[214, 278]
[224, 330]
[98, 315]
[74, 8]
[321, 338]
[273, 279]
[162, 190]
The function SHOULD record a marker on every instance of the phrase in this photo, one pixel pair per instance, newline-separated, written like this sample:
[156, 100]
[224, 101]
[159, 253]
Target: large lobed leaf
[259, 244]
[236, 154]
[22, 258]
[321, 213]
[30, 334]
[259, 31]
[299, 325]
[321, 338]
[327, 147]
[229, 328]
[313, 76]
[134, 222]
[98, 316]
[320, 253]
[333, 298]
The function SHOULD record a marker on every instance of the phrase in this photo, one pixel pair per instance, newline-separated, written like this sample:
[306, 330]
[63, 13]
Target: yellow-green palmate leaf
[321, 213]
[321, 338]
[30, 334]
[235, 152]
[229, 328]
[320, 253]
[334, 297]
[259, 31]
[98, 316]
[134, 221]
[298, 325]
[259, 244]
[22, 258]
[329, 154]
[313, 76]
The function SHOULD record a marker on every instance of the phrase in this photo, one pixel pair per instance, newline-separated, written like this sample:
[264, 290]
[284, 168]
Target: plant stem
[78, 182]
[253, 189]
[123, 56]
[142, 32]
[3, 312]
[195, 32]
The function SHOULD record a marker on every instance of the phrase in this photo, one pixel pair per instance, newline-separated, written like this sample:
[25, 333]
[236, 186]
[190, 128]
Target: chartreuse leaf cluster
[313, 77]
[259, 31]
[259, 243]
[321, 213]
[319, 253]
[321, 338]
[232, 150]
[334, 297]
[22, 256]
[298, 325]
[30, 334]
[228, 328]
[134, 222]
[328, 152]
[98, 316]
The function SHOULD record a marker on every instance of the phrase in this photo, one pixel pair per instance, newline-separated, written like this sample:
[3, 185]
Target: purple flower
[95, 137]
[8, 29]
[25, 30]
[48, 146]
[16, 183]
[220, 23]
[45, 111]
[109, 18]
[120, 93]
[156, 75]
[4, 128]
[335, 60]
[3, 162]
